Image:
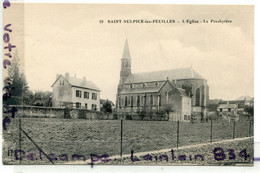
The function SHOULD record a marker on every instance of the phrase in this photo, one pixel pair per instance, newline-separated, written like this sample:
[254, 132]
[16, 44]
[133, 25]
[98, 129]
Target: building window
[78, 93]
[197, 103]
[138, 101]
[60, 82]
[229, 109]
[94, 96]
[86, 95]
[119, 101]
[220, 109]
[143, 85]
[125, 101]
[185, 117]
[151, 100]
[144, 100]
[131, 86]
[188, 117]
[94, 107]
[132, 102]
[156, 84]
[78, 105]
[86, 106]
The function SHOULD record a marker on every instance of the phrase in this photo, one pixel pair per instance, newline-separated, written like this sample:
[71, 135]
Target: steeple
[126, 53]
[125, 64]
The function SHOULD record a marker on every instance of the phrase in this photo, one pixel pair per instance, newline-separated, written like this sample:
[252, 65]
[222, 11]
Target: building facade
[228, 111]
[75, 92]
[183, 89]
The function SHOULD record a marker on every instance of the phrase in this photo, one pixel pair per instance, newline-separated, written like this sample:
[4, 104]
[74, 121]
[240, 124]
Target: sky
[61, 38]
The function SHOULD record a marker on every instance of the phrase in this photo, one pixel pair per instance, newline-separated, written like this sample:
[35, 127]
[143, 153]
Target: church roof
[145, 89]
[175, 74]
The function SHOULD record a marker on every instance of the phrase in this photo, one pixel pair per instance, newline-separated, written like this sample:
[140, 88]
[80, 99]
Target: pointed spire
[126, 53]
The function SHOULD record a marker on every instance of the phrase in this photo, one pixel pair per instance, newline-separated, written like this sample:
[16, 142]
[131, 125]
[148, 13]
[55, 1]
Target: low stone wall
[39, 112]
[52, 112]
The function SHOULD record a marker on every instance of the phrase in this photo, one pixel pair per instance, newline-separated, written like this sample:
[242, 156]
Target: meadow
[61, 138]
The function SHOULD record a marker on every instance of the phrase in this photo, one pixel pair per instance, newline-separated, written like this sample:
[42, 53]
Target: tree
[38, 98]
[107, 107]
[249, 109]
[18, 85]
[168, 108]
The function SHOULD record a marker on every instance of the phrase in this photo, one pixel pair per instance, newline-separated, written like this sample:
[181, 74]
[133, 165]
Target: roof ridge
[162, 70]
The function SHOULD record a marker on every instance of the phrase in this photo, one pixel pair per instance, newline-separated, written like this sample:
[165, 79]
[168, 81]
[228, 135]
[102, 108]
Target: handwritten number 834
[219, 154]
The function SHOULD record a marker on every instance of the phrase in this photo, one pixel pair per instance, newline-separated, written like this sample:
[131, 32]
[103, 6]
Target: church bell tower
[125, 64]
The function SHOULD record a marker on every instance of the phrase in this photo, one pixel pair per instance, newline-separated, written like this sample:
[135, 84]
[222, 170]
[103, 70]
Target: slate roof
[146, 89]
[76, 82]
[239, 103]
[153, 89]
[175, 74]
[226, 106]
[182, 92]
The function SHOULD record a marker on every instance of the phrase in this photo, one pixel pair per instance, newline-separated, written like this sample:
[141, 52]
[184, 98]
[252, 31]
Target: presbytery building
[74, 92]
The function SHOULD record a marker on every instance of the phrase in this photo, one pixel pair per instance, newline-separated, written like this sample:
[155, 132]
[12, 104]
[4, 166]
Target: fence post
[20, 138]
[211, 131]
[121, 138]
[234, 127]
[249, 128]
[178, 126]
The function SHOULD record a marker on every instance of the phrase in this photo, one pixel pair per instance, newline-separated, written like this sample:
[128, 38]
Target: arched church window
[125, 101]
[144, 100]
[132, 102]
[138, 101]
[202, 95]
[197, 103]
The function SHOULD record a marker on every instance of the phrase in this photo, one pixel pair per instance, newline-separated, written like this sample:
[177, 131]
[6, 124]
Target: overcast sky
[63, 38]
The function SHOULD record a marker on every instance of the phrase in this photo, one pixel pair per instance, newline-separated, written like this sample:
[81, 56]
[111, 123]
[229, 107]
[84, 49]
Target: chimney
[67, 75]
[84, 81]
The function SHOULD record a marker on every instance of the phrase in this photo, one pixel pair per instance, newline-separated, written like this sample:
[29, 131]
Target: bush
[142, 114]
[81, 114]
[115, 116]
[67, 113]
[128, 117]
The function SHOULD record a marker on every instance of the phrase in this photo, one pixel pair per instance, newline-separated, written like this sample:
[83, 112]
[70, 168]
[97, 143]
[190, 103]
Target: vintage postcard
[127, 84]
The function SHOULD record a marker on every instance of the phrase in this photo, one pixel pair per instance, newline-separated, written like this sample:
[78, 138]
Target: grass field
[59, 137]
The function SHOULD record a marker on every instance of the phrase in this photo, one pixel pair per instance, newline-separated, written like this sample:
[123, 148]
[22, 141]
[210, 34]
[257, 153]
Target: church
[183, 89]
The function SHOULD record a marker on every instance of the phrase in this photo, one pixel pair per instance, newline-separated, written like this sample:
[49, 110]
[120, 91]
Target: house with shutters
[74, 92]
[183, 89]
